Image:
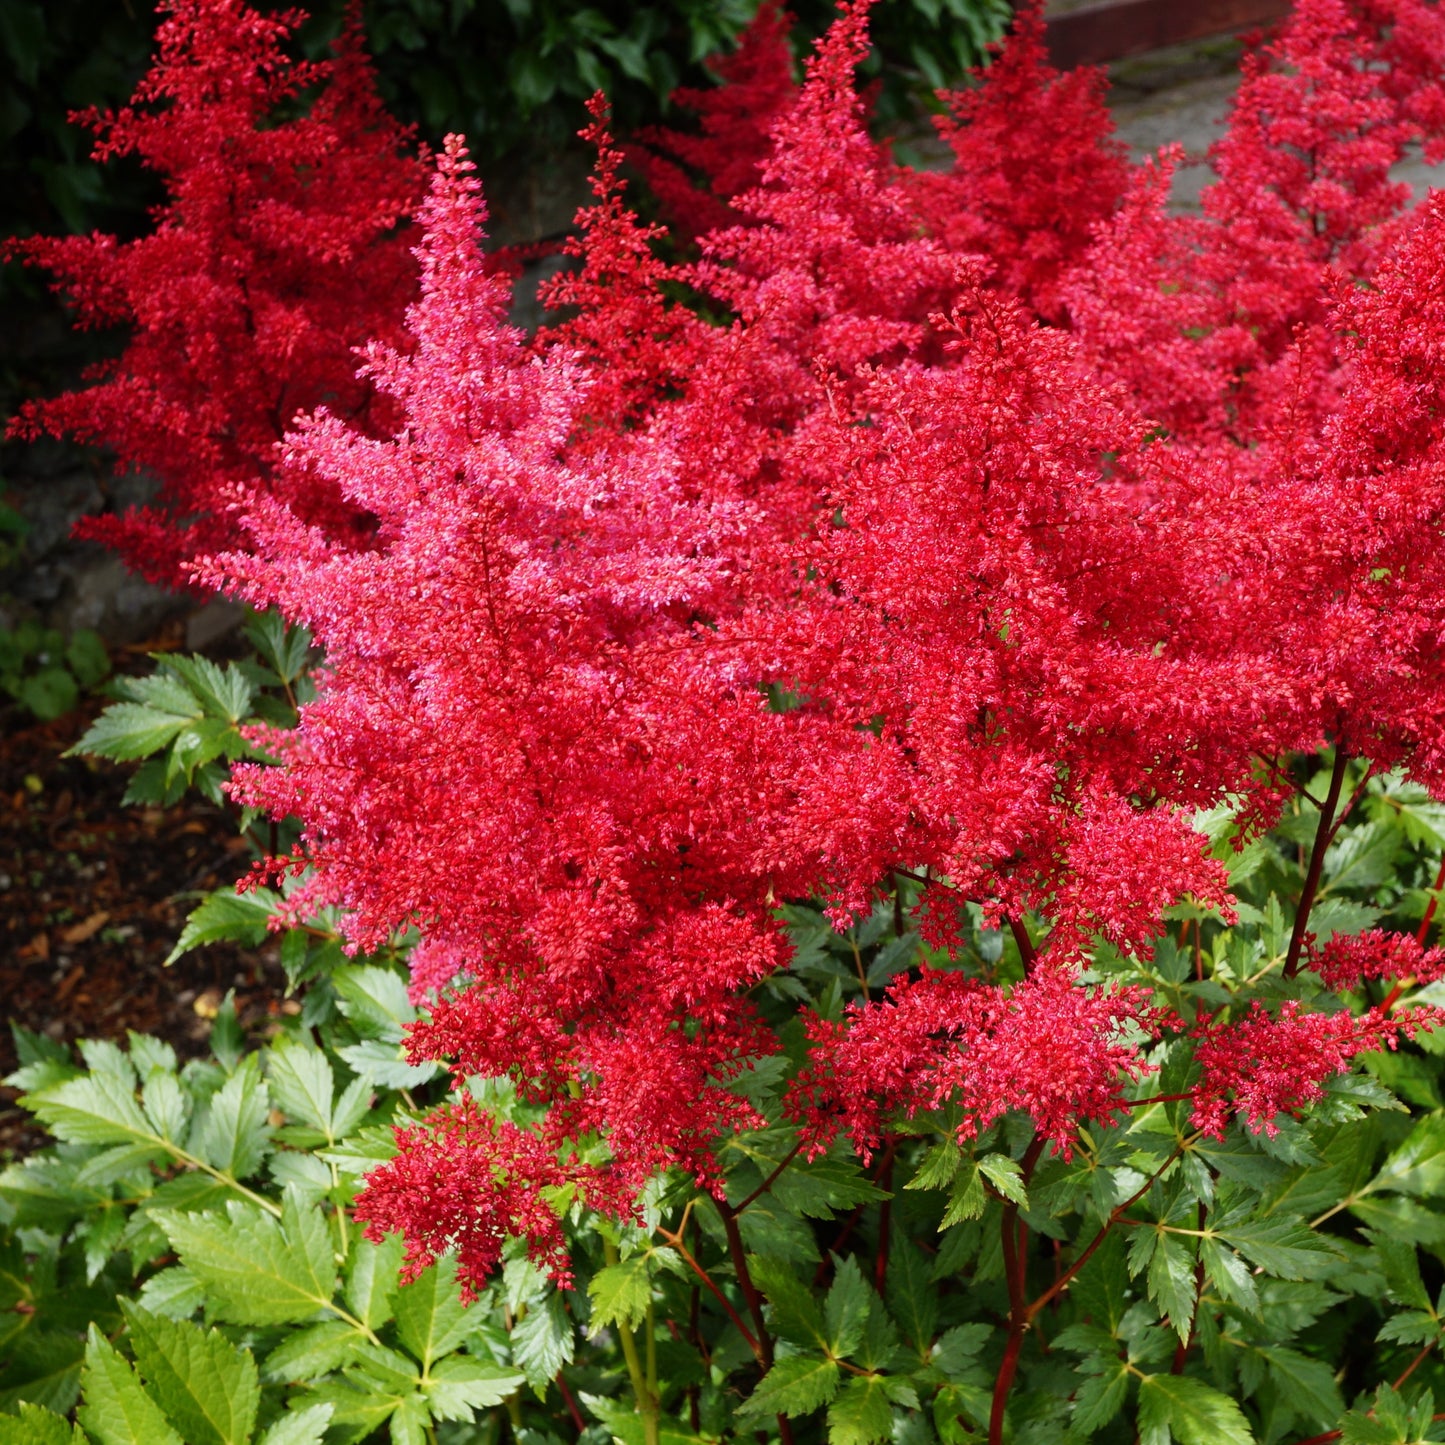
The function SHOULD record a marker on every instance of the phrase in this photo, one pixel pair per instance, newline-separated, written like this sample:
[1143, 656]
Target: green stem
[644, 1397]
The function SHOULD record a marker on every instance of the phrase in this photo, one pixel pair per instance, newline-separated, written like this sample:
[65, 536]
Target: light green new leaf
[375, 1000]
[620, 1293]
[430, 1316]
[126, 731]
[256, 1271]
[302, 1084]
[861, 1413]
[175, 1293]
[796, 1385]
[845, 1310]
[93, 1109]
[235, 1135]
[1006, 1175]
[167, 1106]
[206, 1386]
[37, 1426]
[460, 1386]
[304, 1427]
[1188, 1412]
[410, 1421]
[227, 916]
[373, 1279]
[117, 1411]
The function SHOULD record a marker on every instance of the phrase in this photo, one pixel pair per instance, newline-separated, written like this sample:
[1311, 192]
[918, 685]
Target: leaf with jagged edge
[38, 1426]
[257, 1270]
[1189, 1412]
[207, 1387]
[303, 1427]
[117, 1410]
[796, 1385]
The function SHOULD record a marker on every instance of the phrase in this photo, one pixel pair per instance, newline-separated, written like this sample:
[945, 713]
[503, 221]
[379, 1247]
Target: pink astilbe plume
[277, 251]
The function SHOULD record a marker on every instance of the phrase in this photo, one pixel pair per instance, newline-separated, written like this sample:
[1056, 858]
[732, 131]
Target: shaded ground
[93, 896]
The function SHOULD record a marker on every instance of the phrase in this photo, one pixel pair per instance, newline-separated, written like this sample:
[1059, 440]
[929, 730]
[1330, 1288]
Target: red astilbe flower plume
[734, 121]
[636, 344]
[276, 252]
[1036, 166]
[468, 1182]
[1059, 1051]
[1263, 1066]
[1349, 959]
[505, 744]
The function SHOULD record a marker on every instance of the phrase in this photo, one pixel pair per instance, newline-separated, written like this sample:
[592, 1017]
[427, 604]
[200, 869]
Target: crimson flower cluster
[977, 527]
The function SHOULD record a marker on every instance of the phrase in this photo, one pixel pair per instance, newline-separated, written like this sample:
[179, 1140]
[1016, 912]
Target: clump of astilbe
[885, 580]
[1035, 166]
[566, 578]
[279, 248]
[732, 140]
[1236, 302]
[543, 731]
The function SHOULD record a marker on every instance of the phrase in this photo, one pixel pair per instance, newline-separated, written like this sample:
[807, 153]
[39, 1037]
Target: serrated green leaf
[1417, 1166]
[845, 1309]
[38, 1426]
[1006, 1175]
[254, 1269]
[314, 1351]
[796, 1385]
[431, 1319]
[97, 1108]
[1171, 1282]
[374, 1278]
[795, 1314]
[117, 1411]
[861, 1413]
[1281, 1248]
[1189, 1412]
[304, 1427]
[225, 693]
[375, 1000]
[126, 731]
[620, 1293]
[302, 1084]
[175, 1293]
[207, 1387]
[235, 1135]
[543, 1340]
[1102, 1395]
[1306, 1385]
[460, 1386]
[230, 917]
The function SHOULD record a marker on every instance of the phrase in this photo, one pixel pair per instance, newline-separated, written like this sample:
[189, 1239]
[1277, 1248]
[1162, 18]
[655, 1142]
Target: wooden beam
[1112, 29]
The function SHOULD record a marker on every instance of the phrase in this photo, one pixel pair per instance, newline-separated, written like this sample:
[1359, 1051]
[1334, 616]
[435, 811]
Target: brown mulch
[92, 898]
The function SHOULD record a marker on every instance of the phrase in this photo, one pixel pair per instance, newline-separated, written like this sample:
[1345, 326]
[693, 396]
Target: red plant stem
[1027, 952]
[1015, 1265]
[1317, 862]
[675, 1240]
[571, 1404]
[1067, 1277]
[885, 1224]
[1429, 917]
[770, 1180]
[762, 1343]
